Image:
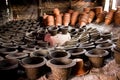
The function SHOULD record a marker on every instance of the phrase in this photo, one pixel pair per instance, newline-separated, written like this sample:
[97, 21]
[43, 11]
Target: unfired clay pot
[61, 68]
[96, 56]
[34, 67]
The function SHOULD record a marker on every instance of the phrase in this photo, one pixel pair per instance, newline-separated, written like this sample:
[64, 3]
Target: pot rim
[77, 53]
[32, 54]
[60, 66]
[109, 47]
[99, 55]
[32, 65]
[67, 56]
[11, 56]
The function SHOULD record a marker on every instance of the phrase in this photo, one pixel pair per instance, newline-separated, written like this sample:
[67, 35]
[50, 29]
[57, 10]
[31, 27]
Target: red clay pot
[66, 19]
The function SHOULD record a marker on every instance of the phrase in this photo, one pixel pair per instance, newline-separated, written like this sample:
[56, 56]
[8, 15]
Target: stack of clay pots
[117, 16]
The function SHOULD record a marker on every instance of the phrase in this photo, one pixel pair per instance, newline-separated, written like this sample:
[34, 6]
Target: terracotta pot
[91, 16]
[50, 20]
[83, 19]
[96, 56]
[109, 17]
[56, 11]
[61, 68]
[98, 10]
[74, 18]
[59, 54]
[66, 19]
[100, 17]
[70, 11]
[8, 69]
[77, 52]
[117, 16]
[34, 67]
[116, 55]
[86, 9]
[58, 20]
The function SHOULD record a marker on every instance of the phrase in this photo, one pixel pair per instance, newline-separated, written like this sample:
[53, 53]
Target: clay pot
[58, 20]
[77, 52]
[40, 52]
[64, 29]
[61, 68]
[56, 11]
[53, 30]
[109, 17]
[100, 17]
[106, 46]
[83, 19]
[96, 56]
[66, 19]
[86, 9]
[74, 18]
[116, 54]
[117, 16]
[50, 20]
[98, 10]
[59, 54]
[79, 68]
[8, 69]
[34, 66]
[18, 55]
[91, 16]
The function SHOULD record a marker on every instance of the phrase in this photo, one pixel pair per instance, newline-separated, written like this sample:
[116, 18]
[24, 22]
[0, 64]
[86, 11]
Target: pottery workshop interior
[59, 39]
